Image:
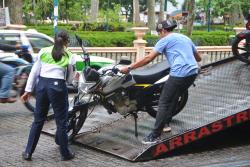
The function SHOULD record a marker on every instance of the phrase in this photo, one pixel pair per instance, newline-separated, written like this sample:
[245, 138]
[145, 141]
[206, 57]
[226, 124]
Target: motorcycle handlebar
[113, 70]
[116, 70]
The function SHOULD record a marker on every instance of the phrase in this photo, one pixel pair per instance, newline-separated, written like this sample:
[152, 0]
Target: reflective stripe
[46, 57]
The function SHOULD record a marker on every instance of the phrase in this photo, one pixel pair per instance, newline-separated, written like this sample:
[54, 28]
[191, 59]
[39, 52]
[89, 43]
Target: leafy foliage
[231, 8]
[125, 39]
[43, 9]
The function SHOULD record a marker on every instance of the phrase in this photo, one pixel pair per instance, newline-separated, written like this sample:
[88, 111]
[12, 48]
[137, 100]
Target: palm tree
[191, 16]
[161, 15]
[136, 12]
[15, 11]
[151, 14]
[94, 10]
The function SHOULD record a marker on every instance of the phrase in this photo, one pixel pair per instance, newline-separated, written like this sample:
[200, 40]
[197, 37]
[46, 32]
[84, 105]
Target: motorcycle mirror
[125, 60]
[81, 44]
[78, 39]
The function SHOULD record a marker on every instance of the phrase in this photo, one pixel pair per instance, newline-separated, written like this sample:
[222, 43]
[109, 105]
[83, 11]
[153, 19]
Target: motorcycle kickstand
[135, 118]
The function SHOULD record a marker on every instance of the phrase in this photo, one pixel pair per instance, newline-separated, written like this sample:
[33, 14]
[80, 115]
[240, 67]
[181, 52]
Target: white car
[36, 41]
[30, 37]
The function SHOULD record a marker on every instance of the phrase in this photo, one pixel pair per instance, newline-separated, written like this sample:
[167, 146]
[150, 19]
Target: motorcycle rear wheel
[241, 49]
[30, 104]
[152, 111]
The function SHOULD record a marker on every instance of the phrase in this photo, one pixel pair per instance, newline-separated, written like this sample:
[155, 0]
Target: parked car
[31, 38]
[36, 41]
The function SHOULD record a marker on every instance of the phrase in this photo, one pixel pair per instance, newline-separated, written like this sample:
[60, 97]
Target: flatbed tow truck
[219, 101]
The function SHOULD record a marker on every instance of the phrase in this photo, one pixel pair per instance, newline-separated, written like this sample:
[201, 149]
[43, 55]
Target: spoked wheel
[76, 120]
[152, 110]
[241, 48]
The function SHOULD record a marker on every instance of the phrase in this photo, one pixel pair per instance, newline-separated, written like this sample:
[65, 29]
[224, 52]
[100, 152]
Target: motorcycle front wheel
[241, 48]
[76, 119]
[152, 111]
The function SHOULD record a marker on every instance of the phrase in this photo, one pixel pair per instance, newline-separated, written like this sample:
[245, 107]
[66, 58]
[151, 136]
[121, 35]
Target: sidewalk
[15, 121]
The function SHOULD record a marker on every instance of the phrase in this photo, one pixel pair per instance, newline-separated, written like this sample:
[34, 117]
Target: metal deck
[220, 100]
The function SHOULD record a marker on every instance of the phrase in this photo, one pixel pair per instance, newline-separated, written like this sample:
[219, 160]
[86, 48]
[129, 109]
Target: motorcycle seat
[151, 74]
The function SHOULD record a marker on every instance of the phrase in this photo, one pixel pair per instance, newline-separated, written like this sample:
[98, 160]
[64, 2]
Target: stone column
[239, 29]
[140, 43]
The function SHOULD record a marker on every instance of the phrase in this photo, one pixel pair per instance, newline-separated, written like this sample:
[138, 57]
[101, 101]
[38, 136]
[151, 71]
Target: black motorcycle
[126, 94]
[241, 44]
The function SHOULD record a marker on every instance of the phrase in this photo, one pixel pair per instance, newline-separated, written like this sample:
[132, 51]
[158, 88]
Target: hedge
[202, 38]
[107, 39]
[125, 39]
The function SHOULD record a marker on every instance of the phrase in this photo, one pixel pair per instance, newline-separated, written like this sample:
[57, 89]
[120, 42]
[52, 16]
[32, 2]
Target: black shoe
[69, 157]
[150, 139]
[26, 156]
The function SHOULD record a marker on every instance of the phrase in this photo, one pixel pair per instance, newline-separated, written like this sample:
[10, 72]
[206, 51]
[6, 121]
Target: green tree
[73, 10]
[28, 11]
[228, 7]
[233, 9]
[43, 9]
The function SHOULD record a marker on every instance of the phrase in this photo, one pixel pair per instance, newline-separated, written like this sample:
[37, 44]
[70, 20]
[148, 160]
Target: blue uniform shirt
[179, 51]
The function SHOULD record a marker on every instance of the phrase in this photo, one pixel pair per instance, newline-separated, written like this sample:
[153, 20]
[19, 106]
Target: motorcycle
[241, 44]
[22, 70]
[126, 94]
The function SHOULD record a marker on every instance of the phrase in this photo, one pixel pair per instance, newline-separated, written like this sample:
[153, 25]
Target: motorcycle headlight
[91, 74]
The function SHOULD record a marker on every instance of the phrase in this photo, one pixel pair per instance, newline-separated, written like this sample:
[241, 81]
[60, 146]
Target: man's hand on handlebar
[125, 70]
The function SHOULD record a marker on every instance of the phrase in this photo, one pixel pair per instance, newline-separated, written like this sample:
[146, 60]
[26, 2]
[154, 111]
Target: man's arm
[145, 60]
[6, 47]
[197, 56]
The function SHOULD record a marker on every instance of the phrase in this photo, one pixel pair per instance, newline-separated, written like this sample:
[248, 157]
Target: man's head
[165, 27]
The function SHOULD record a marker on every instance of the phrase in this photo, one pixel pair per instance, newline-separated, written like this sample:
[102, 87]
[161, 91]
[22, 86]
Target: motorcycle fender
[80, 106]
[164, 79]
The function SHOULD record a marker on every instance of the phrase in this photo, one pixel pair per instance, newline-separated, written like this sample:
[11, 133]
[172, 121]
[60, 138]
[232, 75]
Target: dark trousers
[54, 92]
[172, 90]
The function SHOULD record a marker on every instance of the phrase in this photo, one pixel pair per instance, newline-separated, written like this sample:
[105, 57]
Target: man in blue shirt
[182, 57]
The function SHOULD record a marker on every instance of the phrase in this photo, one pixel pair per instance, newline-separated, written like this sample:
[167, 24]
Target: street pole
[166, 5]
[3, 3]
[55, 16]
[165, 9]
[209, 16]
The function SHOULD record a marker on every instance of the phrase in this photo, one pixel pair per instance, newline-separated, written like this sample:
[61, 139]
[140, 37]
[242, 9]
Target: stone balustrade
[209, 53]
[139, 50]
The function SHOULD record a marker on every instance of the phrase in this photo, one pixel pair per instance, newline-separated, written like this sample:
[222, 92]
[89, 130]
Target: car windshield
[9, 39]
[38, 42]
